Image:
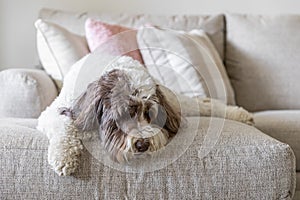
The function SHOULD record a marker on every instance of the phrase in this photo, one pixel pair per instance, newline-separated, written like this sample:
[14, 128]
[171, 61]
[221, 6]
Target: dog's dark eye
[133, 110]
[147, 116]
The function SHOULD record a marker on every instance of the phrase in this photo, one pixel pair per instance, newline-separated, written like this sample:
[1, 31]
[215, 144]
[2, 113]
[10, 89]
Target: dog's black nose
[142, 145]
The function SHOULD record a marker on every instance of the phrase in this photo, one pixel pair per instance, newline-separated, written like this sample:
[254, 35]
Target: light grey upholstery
[283, 125]
[25, 92]
[245, 164]
[262, 57]
[262, 60]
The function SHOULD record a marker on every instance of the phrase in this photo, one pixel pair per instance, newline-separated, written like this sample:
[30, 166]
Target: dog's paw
[65, 168]
[64, 155]
[239, 114]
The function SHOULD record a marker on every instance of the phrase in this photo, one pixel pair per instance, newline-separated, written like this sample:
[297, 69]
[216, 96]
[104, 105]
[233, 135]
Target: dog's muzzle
[146, 139]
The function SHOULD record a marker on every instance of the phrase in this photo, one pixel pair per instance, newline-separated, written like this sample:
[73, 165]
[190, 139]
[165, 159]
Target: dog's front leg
[216, 108]
[64, 152]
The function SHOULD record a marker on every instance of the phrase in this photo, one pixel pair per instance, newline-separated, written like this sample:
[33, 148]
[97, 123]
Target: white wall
[17, 34]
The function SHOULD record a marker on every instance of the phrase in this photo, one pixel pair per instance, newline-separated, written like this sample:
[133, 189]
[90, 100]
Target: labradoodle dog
[128, 110]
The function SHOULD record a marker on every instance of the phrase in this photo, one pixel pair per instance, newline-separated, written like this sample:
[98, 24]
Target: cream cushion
[186, 62]
[263, 62]
[58, 49]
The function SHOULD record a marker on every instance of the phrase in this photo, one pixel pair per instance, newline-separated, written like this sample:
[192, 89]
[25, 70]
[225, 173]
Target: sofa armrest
[25, 93]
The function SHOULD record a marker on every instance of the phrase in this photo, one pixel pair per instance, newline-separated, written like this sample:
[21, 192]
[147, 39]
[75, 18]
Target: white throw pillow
[58, 49]
[185, 62]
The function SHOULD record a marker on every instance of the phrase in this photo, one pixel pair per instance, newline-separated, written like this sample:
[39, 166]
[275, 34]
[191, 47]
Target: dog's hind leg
[197, 106]
[216, 108]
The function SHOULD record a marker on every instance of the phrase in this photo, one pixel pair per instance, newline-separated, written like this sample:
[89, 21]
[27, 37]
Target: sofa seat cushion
[244, 164]
[283, 125]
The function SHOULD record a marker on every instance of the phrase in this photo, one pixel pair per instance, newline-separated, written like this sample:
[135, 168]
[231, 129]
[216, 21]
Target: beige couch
[262, 59]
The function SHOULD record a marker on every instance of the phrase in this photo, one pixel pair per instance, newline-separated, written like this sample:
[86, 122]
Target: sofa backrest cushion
[263, 60]
[213, 25]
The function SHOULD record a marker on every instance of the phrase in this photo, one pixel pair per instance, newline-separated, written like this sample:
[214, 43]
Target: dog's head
[131, 121]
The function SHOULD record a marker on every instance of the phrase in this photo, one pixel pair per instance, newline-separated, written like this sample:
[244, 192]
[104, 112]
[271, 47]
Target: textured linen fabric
[283, 125]
[262, 60]
[23, 122]
[58, 49]
[25, 92]
[118, 39]
[244, 164]
[213, 25]
[185, 62]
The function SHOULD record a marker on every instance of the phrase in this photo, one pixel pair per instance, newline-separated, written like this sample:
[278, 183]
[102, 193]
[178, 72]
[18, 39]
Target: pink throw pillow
[98, 33]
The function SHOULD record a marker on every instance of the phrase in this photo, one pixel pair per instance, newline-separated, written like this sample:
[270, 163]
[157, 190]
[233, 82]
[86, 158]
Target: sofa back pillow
[58, 49]
[263, 60]
[185, 62]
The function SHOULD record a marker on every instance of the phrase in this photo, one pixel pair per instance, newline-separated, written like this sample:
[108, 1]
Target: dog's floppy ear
[87, 109]
[168, 114]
